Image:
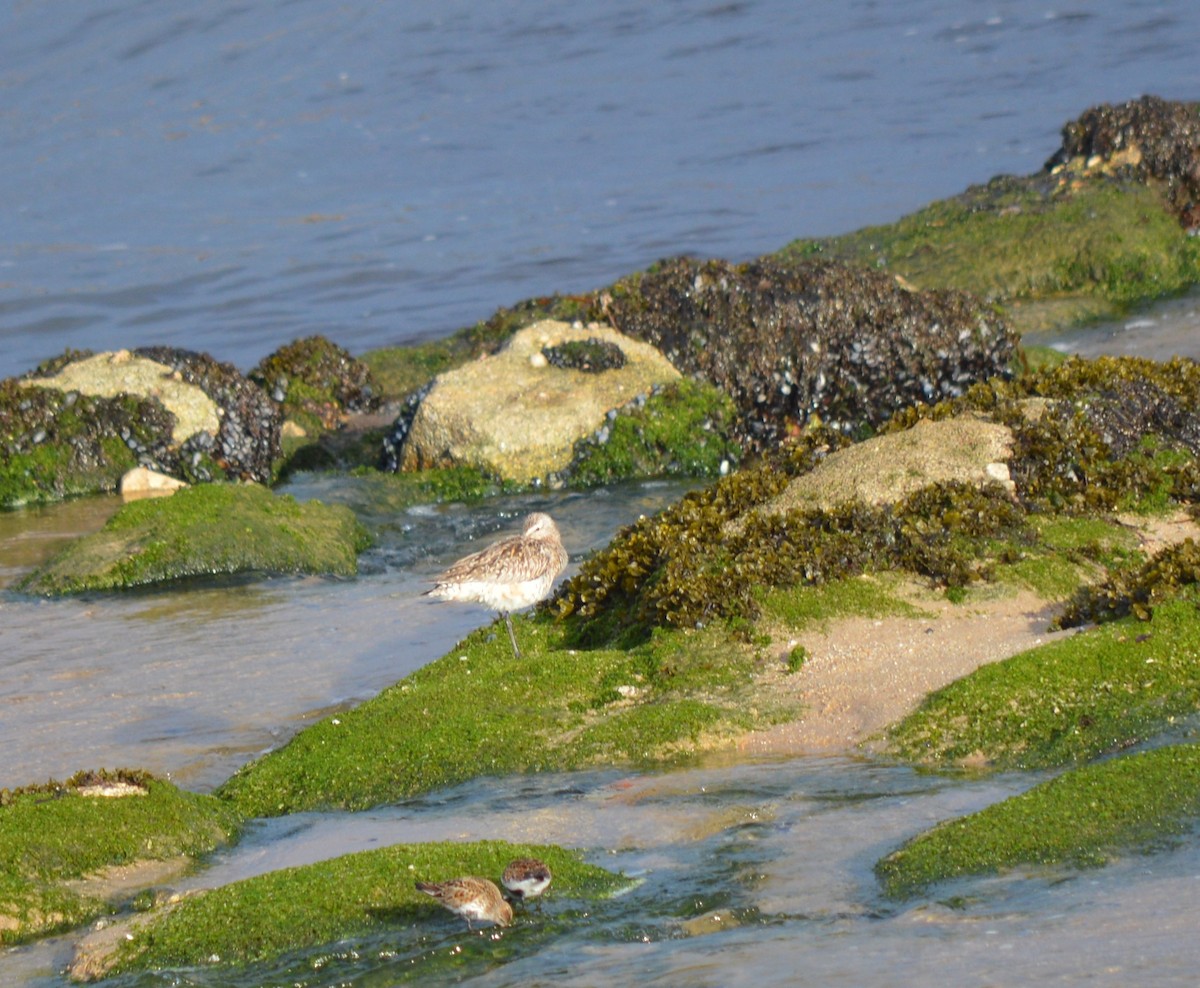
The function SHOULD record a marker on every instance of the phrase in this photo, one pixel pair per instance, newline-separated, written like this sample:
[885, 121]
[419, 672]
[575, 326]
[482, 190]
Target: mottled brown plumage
[471, 898]
[510, 574]
[526, 878]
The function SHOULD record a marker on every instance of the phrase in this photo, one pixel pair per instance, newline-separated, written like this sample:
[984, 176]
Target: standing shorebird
[471, 898]
[526, 878]
[510, 574]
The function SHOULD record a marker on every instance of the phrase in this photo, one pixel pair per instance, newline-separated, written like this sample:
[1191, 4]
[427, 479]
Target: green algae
[53, 836]
[1065, 701]
[684, 429]
[1031, 238]
[873, 596]
[1085, 817]
[480, 711]
[201, 531]
[261, 918]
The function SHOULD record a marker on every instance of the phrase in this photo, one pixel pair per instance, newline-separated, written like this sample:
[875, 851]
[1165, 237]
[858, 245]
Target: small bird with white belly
[511, 574]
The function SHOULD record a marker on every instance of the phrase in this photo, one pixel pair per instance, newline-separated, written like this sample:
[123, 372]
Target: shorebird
[510, 574]
[471, 898]
[526, 878]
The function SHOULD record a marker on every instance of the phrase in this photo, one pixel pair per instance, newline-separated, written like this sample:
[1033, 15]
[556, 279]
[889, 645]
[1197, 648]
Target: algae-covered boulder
[295, 910]
[68, 849]
[80, 421]
[811, 338]
[317, 382]
[1155, 138]
[517, 414]
[56, 444]
[708, 556]
[1104, 225]
[1082, 818]
[201, 531]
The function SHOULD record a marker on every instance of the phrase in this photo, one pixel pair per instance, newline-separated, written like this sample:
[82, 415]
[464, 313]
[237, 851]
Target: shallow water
[233, 176]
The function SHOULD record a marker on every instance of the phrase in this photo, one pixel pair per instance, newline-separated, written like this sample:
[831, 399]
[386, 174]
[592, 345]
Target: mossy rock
[58, 840]
[317, 382]
[55, 444]
[1024, 240]
[260, 919]
[683, 429]
[202, 531]
[1066, 701]
[480, 711]
[1087, 438]
[1085, 817]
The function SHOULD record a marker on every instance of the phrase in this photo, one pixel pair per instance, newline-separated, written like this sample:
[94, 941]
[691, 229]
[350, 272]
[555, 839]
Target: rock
[519, 418]
[318, 381]
[1153, 137]
[887, 468]
[205, 530]
[107, 375]
[790, 341]
[79, 422]
[144, 482]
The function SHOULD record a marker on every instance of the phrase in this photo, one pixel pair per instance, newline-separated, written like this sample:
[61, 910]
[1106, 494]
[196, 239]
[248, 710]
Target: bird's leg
[512, 635]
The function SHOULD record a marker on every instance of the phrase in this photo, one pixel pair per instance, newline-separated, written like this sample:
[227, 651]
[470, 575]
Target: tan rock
[107, 375]
[888, 468]
[143, 482]
[514, 415]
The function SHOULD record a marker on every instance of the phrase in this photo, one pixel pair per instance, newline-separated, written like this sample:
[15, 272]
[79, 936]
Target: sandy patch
[865, 673]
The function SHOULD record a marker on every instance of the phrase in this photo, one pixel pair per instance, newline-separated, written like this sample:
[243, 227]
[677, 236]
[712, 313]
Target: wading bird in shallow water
[526, 878]
[510, 574]
[471, 898]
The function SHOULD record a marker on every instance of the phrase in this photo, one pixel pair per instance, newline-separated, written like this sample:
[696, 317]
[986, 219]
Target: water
[231, 176]
[235, 177]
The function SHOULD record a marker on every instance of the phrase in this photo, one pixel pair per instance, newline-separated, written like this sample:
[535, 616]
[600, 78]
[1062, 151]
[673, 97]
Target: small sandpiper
[510, 574]
[472, 899]
[526, 878]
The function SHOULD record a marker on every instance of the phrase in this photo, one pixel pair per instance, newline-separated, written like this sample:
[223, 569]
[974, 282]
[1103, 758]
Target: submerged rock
[811, 338]
[517, 416]
[202, 531]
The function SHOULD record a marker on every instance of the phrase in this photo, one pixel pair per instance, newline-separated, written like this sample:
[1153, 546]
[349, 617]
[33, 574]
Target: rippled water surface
[230, 176]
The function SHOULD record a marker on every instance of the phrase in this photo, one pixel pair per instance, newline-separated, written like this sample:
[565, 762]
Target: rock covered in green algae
[481, 711]
[296, 910]
[1064, 702]
[1155, 138]
[1098, 229]
[789, 341]
[58, 841]
[56, 444]
[706, 557]
[201, 531]
[80, 421]
[317, 380]
[517, 416]
[1081, 818]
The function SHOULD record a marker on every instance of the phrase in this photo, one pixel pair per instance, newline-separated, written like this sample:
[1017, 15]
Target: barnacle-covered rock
[1153, 137]
[811, 338]
[79, 422]
[517, 417]
[248, 438]
[315, 379]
